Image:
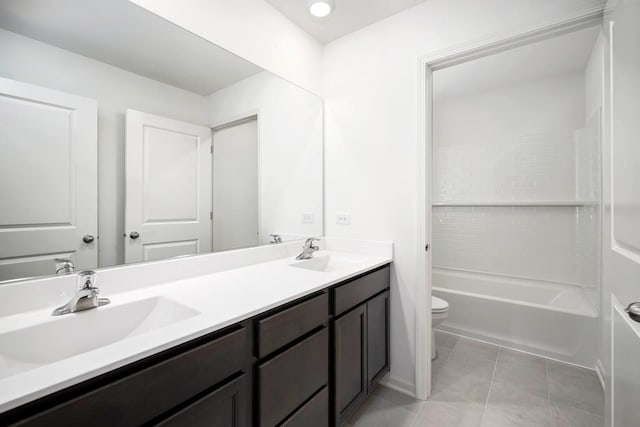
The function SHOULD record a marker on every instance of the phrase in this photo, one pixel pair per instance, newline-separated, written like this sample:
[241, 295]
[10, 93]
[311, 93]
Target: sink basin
[327, 263]
[72, 334]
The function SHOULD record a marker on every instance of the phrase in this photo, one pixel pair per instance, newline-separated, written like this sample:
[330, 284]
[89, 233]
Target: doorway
[190, 189]
[235, 211]
[427, 67]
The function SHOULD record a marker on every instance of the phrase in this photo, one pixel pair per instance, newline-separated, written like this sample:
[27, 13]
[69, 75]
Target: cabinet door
[223, 407]
[377, 339]
[350, 362]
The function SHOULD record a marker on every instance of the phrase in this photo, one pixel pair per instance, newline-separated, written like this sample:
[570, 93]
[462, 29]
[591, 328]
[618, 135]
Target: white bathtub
[552, 320]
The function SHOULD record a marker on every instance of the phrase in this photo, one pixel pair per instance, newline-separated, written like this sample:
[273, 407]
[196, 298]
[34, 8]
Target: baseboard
[398, 385]
[600, 372]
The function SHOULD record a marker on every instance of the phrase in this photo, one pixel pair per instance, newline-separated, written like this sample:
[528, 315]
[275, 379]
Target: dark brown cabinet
[292, 377]
[223, 407]
[360, 289]
[350, 339]
[148, 390]
[361, 340]
[314, 413]
[293, 362]
[278, 329]
[308, 363]
[377, 339]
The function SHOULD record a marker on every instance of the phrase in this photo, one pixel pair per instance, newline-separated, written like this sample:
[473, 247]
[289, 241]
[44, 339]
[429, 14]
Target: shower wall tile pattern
[539, 167]
[556, 244]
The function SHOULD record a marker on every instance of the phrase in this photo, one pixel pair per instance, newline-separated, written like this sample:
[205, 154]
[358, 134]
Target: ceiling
[559, 55]
[126, 36]
[348, 15]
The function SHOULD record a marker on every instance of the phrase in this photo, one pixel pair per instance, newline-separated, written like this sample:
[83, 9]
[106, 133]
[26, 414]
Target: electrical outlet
[343, 218]
[307, 218]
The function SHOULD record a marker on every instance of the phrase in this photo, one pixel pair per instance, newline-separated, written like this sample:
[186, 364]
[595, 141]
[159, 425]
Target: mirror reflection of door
[168, 188]
[235, 186]
[48, 180]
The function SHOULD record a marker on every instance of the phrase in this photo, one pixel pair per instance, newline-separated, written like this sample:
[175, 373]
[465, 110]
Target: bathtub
[552, 320]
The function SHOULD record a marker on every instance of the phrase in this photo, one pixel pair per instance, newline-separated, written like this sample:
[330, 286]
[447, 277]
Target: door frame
[224, 124]
[427, 65]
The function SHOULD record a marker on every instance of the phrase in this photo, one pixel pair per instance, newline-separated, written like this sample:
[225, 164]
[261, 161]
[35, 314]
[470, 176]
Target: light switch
[343, 218]
[307, 218]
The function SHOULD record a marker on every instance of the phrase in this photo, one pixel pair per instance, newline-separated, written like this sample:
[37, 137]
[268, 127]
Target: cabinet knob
[88, 239]
[633, 310]
[134, 235]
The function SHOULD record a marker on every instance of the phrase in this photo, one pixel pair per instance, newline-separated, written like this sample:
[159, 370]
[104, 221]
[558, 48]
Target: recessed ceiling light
[321, 8]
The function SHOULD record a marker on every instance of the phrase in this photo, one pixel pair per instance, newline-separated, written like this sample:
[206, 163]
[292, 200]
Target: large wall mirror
[125, 138]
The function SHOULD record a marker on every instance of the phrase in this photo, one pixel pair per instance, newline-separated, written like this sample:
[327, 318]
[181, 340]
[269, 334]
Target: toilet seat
[439, 313]
[438, 305]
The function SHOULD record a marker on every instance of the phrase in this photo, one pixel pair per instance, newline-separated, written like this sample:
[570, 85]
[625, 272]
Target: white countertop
[221, 299]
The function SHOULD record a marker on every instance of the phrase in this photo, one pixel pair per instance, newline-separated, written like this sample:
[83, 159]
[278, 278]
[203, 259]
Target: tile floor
[477, 384]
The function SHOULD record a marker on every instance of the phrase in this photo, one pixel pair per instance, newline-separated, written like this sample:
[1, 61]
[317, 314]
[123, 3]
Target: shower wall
[516, 182]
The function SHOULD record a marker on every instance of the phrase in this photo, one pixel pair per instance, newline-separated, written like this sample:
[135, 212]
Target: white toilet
[439, 312]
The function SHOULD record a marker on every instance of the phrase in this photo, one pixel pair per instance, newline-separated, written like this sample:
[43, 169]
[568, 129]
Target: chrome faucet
[308, 249]
[64, 266]
[275, 238]
[86, 296]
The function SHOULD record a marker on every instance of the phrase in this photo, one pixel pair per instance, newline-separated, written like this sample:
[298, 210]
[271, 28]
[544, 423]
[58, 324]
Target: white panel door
[168, 188]
[621, 264]
[235, 186]
[48, 179]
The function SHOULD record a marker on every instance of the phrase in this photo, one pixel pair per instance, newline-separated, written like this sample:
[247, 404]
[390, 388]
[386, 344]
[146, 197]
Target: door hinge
[426, 247]
[211, 149]
[211, 215]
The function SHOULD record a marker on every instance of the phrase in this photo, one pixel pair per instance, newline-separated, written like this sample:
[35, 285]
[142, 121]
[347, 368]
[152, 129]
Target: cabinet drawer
[314, 413]
[281, 328]
[148, 393]
[289, 379]
[353, 293]
[223, 407]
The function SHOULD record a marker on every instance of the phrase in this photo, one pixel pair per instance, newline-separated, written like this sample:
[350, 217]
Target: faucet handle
[86, 279]
[309, 243]
[64, 266]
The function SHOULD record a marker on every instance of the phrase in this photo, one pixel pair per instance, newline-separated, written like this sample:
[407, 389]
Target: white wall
[252, 29]
[371, 139]
[516, 143]
[115, 90]
[289, 146]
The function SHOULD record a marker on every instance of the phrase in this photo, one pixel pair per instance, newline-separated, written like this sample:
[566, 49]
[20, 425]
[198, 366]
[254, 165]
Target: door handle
[633, 310]
[88, 239]
[134, 235]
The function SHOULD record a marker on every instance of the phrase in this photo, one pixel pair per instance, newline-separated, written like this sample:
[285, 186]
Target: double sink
[58, 338]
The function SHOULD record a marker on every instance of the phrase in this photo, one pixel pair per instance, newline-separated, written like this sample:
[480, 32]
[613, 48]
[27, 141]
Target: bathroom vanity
[211, 320]
[308, 356]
